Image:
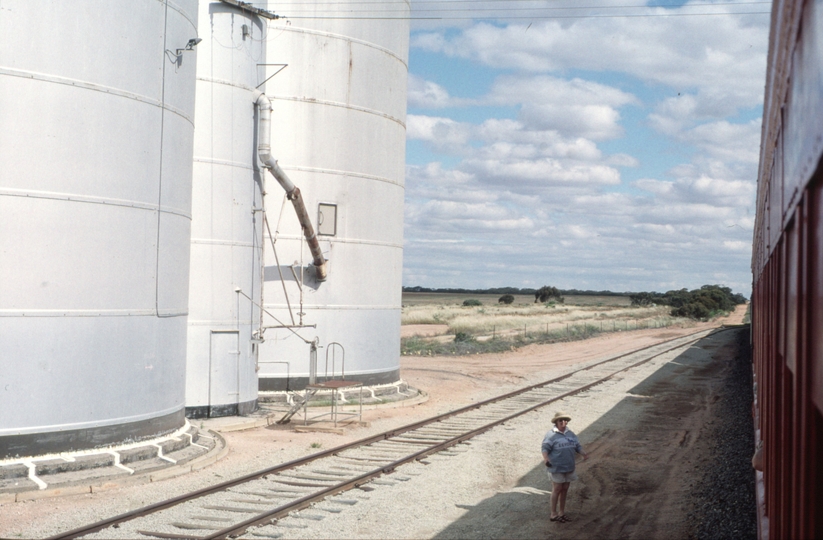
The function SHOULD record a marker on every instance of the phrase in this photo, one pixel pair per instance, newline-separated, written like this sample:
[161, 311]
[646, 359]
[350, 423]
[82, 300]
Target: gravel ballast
[724, 498]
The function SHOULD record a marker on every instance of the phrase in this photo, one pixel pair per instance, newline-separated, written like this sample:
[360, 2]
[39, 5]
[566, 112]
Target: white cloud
[737, 245]
[727, 141]
[552, 141]
[446, 216]
[426, 94]
[674, 113]
[701, 189]
[541, 173]
[588, 237]
[429, 128]
[510, 138]
[575, 107]
[443, 134]
[723, 56]
[622, 160]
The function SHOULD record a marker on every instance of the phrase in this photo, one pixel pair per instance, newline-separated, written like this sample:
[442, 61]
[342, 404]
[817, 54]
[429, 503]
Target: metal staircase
[298, 404]
[330, 383]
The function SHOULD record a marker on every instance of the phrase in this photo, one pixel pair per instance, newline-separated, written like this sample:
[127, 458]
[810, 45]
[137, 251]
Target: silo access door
[224, 373]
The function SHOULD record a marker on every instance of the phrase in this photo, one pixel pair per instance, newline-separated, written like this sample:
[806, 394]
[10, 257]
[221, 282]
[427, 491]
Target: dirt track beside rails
[655, 469]
[647, 454]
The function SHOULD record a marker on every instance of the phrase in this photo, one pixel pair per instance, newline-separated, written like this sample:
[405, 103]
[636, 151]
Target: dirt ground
[648, 455]
[450, 382]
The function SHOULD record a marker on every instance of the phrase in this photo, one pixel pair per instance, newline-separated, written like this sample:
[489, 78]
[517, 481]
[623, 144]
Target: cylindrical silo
[338, 130]
[96, 127]
[227, 219]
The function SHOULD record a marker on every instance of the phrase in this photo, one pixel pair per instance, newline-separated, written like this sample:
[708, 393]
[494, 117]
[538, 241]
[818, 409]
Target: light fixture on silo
[174, 57]
[192, 43]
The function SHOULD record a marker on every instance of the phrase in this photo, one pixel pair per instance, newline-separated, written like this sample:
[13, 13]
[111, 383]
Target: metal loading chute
[292, 191]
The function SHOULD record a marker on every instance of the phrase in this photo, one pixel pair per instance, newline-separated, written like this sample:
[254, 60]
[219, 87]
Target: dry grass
[552, 318]
[523, 321]
[500, 317]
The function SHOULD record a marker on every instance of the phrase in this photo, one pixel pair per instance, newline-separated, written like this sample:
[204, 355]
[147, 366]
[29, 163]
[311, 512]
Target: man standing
[559, 447]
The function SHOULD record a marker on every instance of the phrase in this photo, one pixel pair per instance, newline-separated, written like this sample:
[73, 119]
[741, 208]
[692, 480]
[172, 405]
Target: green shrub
[642, 299]
[506, 299]
[463, 336]
[546, 293]
[703, 303]
[472, 302]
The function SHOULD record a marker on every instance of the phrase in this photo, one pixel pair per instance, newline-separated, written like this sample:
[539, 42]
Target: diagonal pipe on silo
[292, 192]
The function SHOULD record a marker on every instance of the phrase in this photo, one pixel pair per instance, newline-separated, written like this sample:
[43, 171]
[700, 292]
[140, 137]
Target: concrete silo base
[375, 394]
[181, 452]
[215, 411]
[283, 384]
[75, 440]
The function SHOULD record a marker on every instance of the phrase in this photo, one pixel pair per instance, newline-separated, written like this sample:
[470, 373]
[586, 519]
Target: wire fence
[590, 328]
[509, 339]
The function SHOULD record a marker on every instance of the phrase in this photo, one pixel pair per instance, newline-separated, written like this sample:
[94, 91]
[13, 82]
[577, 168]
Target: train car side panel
[787, 266]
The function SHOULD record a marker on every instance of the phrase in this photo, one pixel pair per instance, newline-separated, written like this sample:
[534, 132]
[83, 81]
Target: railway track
[232, 508]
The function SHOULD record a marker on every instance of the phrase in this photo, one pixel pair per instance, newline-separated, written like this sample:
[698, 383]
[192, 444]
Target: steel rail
[272, 515]
[303, 502]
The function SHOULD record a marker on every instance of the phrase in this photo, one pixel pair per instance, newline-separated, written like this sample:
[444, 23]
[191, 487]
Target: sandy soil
[450, 382]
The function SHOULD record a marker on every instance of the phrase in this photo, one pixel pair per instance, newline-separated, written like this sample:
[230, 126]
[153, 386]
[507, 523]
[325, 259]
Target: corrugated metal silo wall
[227, 223]
[96, 127]
[338, 130]
[787, 299]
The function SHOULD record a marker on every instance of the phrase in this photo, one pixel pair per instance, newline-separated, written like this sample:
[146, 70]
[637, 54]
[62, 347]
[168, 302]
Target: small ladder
[298, 404]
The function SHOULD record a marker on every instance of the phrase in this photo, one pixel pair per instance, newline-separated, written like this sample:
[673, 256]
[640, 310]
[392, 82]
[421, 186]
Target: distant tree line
[498, 290]
[703, 303]
[511, 290]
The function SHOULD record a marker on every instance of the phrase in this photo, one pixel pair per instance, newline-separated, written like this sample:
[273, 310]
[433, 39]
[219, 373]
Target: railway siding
[283, 491]
[654, 437]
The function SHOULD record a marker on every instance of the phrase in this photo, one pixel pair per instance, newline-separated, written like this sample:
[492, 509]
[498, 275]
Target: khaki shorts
[562, 478]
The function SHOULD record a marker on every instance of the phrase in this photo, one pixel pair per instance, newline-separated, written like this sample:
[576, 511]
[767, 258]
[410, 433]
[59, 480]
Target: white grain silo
[96, 127]
[338, 131]
[227, 221]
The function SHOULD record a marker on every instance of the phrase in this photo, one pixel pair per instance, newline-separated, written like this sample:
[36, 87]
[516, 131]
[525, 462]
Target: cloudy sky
[610, 146]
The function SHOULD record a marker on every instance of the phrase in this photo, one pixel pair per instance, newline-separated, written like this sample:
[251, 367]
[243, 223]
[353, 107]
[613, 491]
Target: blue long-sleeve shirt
[561, 446]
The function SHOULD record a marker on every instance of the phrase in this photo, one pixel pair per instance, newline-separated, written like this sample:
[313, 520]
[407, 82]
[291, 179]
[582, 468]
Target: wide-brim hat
[561, 416]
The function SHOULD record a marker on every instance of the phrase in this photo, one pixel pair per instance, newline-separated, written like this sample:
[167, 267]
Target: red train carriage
[787, 263]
